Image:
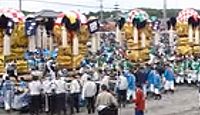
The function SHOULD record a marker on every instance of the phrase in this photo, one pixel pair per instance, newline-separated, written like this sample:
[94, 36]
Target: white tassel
[157, 38]
[50, 43]
[143, 36]
[94, 44]
[75, 45]
[197, 35]
[39, 37]
[171, 37]
[6, 45]
[98, 40]
[64, 36]
[135, 35]
[32, 44]
[190, 34]
[44, 39]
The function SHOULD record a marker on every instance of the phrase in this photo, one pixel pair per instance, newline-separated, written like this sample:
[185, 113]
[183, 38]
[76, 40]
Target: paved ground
[183, 102]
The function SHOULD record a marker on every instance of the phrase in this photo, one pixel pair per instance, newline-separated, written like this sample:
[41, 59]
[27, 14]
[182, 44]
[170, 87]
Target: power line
[69, 4]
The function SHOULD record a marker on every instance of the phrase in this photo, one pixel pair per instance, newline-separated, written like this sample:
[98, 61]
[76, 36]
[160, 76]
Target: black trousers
[122, 96]
[75, 102]
[90, 104]
[35, 105]
[52, 104]
[61, 103]
[108, 111]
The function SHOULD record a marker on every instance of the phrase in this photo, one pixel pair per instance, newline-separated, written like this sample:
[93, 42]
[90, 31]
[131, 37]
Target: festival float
[187, 28]
[72, 35]
[138, 35]
[13, 39]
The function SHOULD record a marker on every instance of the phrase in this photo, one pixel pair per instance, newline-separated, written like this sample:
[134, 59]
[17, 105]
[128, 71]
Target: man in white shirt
[122, 86]
[75, 90]
[35, 89]
[89, 92]
[49, 87]
[60, 95]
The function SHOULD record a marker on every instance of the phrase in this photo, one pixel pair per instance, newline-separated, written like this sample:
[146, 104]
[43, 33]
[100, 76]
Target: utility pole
[20, 5]
[101, 8]
[164, 9]
[116, 7]
[165, 13]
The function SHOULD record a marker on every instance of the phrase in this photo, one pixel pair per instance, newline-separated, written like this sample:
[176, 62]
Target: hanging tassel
[44, 39]
[64, 36]
[75, 45]
[157, 38]
[190, 33]
[39, 37]
[6, 45]
[135, 34]
[94, 43]
[197, 35]
[143, 36]
[50, 43]
[98, 40]
[171, 37]
[32, 44]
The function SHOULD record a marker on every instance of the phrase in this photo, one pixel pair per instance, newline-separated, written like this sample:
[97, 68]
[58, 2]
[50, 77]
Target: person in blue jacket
[131, 84]
[150, 80]
[157, 86]
[169, 79]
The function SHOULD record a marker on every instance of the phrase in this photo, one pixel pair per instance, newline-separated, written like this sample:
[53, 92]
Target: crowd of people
[105, 81]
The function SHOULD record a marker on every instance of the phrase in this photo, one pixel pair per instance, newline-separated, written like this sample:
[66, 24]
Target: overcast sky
[36, 5]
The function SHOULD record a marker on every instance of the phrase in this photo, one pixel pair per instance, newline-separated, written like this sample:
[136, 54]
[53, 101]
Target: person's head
[7, 78]
[104, 87]
[35, 78]
[139, 86]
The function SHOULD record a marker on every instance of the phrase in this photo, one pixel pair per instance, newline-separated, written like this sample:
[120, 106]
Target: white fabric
[122, 83]
[143, 36]
[44, 39]
[94, 43]
[105, 81]
[39, 37]
[190, 33]
[157, 91]
[32, 43]
[35, 87]
[6, 45]
[50, 43]
[75, 87]
[152, 89]
[135, 35]
[75, 45]
[64, 36]
[197, 35]
[84, 78]
[199, 99]
[131, 93]
[61, 86]
[179, 79]
[169, 85]
[89, 89]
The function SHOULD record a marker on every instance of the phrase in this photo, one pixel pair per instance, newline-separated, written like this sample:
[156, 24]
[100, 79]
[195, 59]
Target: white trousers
[131, 93]
[169, 85]
[151, 88]
[157, 91]
[179, 79]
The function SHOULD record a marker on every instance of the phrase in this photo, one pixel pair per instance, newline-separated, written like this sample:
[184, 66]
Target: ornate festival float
[187, 28]
[71, 32]
[138, 35]
[12, 39]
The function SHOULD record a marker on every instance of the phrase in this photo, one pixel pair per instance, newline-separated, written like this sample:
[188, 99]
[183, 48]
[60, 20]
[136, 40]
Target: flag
[30, 27]
[10, 27]
[93, 26]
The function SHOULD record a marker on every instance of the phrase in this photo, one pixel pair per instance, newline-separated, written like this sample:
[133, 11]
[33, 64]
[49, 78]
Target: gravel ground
[183, 102]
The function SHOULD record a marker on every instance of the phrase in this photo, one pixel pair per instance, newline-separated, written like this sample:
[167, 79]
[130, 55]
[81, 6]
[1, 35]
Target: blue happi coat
[169, 74]
[131, 80]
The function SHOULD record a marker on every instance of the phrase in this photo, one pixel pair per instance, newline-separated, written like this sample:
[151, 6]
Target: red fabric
[140, 100]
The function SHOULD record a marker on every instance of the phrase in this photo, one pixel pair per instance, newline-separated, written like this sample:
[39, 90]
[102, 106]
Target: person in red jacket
[139, 101]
